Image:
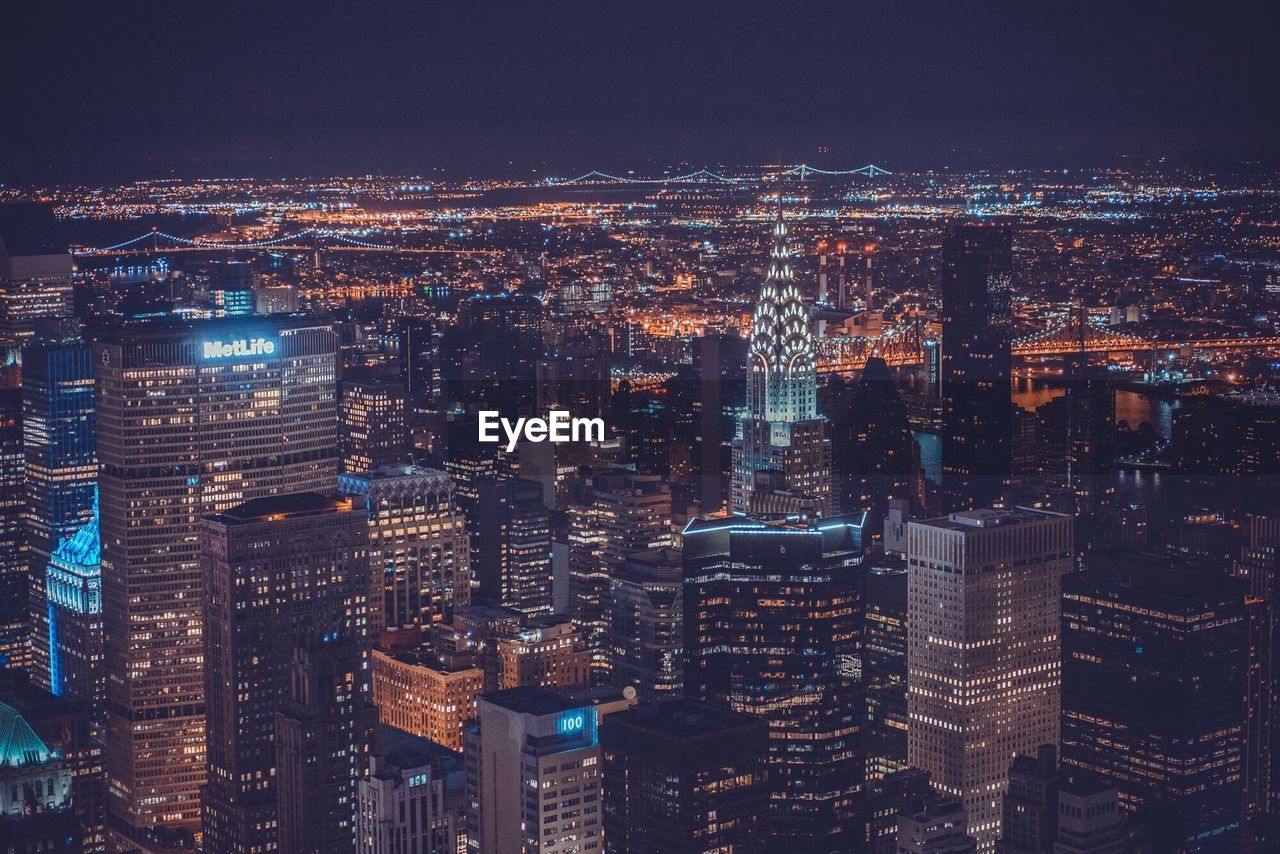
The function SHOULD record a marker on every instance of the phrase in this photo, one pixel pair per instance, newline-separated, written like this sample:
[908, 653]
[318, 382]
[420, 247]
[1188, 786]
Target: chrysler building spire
[782, 381]
[782, 430]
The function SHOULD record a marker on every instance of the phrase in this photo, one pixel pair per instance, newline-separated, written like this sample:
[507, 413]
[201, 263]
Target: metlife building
[194, 417]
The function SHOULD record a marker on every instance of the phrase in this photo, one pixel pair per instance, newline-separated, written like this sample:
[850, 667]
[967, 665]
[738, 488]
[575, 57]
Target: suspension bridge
[706, 176]
[307, 240]
[904, 345]
[1075, 333]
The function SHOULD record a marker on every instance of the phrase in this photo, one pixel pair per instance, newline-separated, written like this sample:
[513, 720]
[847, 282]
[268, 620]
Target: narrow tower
[782, 430]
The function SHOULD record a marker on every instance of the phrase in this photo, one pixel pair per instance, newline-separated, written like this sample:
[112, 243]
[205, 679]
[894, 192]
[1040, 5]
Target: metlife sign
[238, 347]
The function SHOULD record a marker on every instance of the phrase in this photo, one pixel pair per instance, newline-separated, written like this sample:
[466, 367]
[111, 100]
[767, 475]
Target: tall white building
[983, 649]
[533, 774]
[782, 430]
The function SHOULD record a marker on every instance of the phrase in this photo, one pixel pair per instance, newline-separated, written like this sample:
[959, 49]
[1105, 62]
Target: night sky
[98, 90]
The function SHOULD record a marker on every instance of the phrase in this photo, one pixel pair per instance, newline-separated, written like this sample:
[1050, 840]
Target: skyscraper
[512, 555]
[975, 370]
[782, 429]
[533, 774]
[684, 777]
[773, 625]
[231, 291]
[35, 269]
[983, 652]
[646, 622]
[488, 357]
[372, 428]
[419, 550]
[623, 512]
[884, 668]
[72, 618]
[15, 619]
[1091, 434]
[61, 465]
[281, 573]
[192, 418]
[1153, 687]
[322, 739]
[722, 396]
[876, 457]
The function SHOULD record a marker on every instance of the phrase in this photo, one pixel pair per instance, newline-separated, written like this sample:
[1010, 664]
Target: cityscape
[505, 498]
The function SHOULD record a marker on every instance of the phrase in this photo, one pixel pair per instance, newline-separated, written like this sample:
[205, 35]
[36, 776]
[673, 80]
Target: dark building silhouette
[1029, 816]
[1052, 810]
[322, 743]
[646, 625]
[722, 398]
[1232, 435]
[773, 626]
[622, 512]
[683, 776]
[975, 368]
[884, 669]
[875, 457]
[1154, 653]
[282, 574]
[489, 356]
[1091, 436]
[231, 288]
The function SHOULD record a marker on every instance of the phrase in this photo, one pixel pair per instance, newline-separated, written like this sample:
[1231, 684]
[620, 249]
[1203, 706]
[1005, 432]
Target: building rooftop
[19, 744]
[273, 507]
[684, 718]
[531, 700]
[404, 750]
[989, 518]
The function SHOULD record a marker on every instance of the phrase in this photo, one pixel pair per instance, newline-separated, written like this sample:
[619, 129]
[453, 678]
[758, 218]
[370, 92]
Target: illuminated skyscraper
[35, 269]
[15, 620]
[782, 429]
[646, 630]
[372, 430]
[72, 619]
[231, 288]
[419, 550]
[1155, 653]
[683, 776]
[773, 619]
[281, 573]
[625, 512]
[192, 418]
[512, 546]
[983, 652]
[61, 465]
[533, 774]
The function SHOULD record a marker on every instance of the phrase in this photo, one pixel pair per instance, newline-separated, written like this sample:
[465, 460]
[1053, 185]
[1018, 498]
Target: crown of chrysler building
[782, 431]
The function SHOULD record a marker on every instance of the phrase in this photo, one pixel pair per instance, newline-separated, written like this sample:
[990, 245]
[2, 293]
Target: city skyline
[929, 360]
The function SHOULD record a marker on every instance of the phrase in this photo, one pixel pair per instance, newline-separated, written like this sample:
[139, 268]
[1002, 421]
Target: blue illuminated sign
[573, 722]
[238, 347]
